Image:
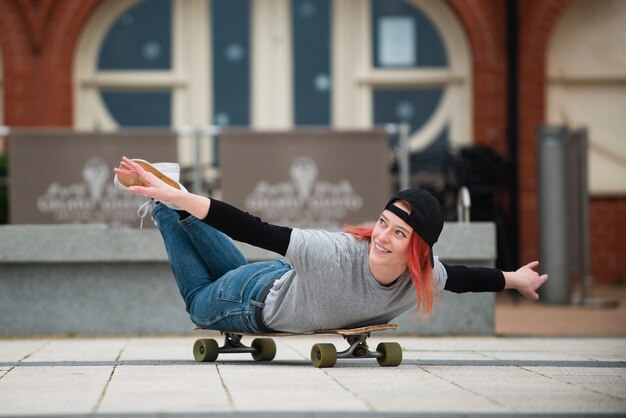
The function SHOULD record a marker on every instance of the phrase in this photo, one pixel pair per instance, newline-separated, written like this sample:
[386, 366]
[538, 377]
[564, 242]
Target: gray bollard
[554, 213]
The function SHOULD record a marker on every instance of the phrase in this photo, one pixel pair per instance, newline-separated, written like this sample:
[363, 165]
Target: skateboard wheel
[392, 354]
[205, 350]
[323, 355]
[265, 349]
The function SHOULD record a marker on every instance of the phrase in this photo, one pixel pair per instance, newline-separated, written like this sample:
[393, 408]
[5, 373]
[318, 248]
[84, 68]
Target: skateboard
[388, 354]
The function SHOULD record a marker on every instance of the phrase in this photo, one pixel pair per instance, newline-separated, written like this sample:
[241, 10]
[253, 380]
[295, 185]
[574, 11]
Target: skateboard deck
[340, 331]
[322, 355]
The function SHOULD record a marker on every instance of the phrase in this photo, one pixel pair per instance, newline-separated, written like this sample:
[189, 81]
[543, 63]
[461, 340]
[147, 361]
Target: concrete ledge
[92, 279]
[79, 244]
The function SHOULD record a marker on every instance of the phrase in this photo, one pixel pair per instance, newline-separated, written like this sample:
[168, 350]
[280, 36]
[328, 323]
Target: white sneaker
[169, 173]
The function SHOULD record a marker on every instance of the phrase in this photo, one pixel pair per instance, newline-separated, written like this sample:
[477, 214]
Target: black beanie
[426, 217]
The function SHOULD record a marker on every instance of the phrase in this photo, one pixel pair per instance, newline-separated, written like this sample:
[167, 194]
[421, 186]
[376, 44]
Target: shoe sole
[128, 181]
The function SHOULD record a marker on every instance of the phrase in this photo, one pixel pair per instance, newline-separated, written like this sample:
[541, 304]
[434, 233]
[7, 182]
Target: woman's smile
[381, 249]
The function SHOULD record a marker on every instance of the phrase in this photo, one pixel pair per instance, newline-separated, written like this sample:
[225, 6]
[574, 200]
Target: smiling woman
[332, 279]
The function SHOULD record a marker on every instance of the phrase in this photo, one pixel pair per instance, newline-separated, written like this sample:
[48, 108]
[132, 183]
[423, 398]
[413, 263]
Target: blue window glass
[434, 157]
[231, 61]
[403, 37]
[311, 27]
[415, 107]
[140, 39]
[139, 108]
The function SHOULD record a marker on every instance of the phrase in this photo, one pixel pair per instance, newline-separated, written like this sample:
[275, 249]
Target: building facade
[456, 70]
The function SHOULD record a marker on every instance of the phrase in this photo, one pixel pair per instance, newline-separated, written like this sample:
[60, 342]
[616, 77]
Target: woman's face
[390, 239]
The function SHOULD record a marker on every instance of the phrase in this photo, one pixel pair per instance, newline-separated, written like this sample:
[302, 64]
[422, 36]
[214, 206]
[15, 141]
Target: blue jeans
[220, 289]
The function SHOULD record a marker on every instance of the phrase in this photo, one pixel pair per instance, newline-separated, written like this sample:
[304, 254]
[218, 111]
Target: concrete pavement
[439, 377]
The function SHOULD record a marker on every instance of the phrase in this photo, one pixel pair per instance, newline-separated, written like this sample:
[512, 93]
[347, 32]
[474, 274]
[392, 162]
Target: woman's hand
[153, 186]
[526, 280]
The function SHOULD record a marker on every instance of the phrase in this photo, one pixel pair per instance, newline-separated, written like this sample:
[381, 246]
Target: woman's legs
[206, 266]
[216, 250]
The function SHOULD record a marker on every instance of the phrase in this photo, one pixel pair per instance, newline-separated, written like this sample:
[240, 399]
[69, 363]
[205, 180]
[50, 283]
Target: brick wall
[607, 229]
[486, 32]
[38, 41]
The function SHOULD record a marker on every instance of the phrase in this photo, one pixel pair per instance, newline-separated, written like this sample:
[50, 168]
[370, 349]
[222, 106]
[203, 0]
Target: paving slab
[44, 390]
[609, 381]
[83, 351]
[439, 377]
[409, 389]
[17, 350]
[180, 388]
[523, 390]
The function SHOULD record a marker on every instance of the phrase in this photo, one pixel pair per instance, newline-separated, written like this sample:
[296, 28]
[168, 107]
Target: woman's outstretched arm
[235, 223]
[526, 280]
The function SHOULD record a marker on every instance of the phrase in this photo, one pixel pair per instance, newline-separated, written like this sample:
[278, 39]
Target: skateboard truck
[358, 347]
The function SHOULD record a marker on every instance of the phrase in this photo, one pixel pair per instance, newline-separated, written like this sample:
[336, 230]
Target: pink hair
[418, 264]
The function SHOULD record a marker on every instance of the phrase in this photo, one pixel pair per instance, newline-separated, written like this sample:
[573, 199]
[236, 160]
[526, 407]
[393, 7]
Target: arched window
[275, 64]
[403, 61]
[164, 63]
[587, 86]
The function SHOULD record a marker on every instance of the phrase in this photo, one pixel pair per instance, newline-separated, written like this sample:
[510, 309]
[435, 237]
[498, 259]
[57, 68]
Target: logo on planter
[303, 200]
[93, 200]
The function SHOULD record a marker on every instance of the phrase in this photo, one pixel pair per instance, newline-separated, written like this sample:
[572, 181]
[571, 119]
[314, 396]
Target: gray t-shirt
[331, 286]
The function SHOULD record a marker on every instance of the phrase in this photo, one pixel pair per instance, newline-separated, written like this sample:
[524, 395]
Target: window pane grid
[403, 37]
[140, 39]
[312, 80]
[231, 62]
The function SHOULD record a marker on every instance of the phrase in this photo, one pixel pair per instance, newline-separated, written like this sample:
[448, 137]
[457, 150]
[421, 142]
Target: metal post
[553, 214]
[574, 200]
[197, 168]
[463, 205]
[4, 132]
[404, 130]
[583, 211]
[583, 251]
[212, 132]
